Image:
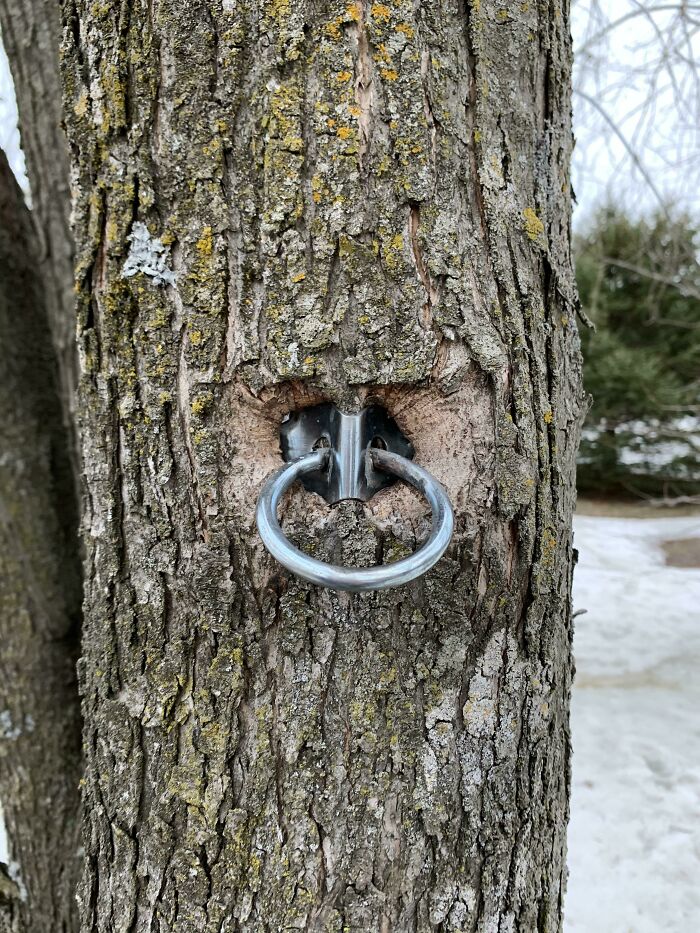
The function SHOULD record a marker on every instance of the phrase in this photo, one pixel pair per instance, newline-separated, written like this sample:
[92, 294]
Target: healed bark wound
[39, 599]
[355, 202]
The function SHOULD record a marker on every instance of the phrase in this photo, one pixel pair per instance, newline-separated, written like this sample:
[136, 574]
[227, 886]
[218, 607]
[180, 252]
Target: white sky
[636, 104]
[640, 76]
[9, 134]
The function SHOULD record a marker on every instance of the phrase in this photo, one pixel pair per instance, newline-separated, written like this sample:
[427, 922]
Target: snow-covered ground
[634, 839]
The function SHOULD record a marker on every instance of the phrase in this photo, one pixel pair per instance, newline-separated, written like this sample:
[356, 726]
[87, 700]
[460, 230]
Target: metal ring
[351, 578]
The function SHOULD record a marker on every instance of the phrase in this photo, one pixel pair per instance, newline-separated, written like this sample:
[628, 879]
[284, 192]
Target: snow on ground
[634, 838]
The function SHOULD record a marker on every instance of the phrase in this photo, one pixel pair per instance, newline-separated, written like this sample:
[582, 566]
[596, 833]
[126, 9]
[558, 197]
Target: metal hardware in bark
[349, 456]
[349, 473]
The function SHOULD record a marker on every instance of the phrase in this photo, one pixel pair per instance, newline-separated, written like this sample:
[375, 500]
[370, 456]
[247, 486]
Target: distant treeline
[639, 282]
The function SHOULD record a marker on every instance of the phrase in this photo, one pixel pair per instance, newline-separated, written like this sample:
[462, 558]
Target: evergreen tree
[639, 282]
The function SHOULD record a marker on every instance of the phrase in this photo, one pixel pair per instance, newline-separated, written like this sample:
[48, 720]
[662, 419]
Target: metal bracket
[350, 473]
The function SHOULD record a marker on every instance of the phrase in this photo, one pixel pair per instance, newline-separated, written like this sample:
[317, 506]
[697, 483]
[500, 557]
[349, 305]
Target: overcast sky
[9, 134]
[636, 106]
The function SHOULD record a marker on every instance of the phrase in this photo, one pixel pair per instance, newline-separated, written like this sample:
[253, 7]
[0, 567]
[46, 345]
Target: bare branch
[644, 11]
[630, 149]
[688, 291]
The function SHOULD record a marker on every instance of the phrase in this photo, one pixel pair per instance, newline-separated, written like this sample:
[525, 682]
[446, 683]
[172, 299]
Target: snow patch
[149, 255]
[634, 850]
[4, 847]
[11, 730]
[13, 870]
[651, 447]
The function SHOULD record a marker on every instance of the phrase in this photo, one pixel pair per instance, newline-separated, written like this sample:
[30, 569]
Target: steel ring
[351, 578]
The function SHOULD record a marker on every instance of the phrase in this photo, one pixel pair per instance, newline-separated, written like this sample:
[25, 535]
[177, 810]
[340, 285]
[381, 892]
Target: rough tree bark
[40, 598]
[277, 203]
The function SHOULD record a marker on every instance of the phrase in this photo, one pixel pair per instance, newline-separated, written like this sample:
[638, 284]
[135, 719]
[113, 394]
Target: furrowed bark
[39, 598]
[279, 203]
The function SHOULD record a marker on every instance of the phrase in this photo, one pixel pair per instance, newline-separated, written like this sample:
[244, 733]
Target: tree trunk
[276, 204]
[10, 902]
[39, 599]
[30, 35]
